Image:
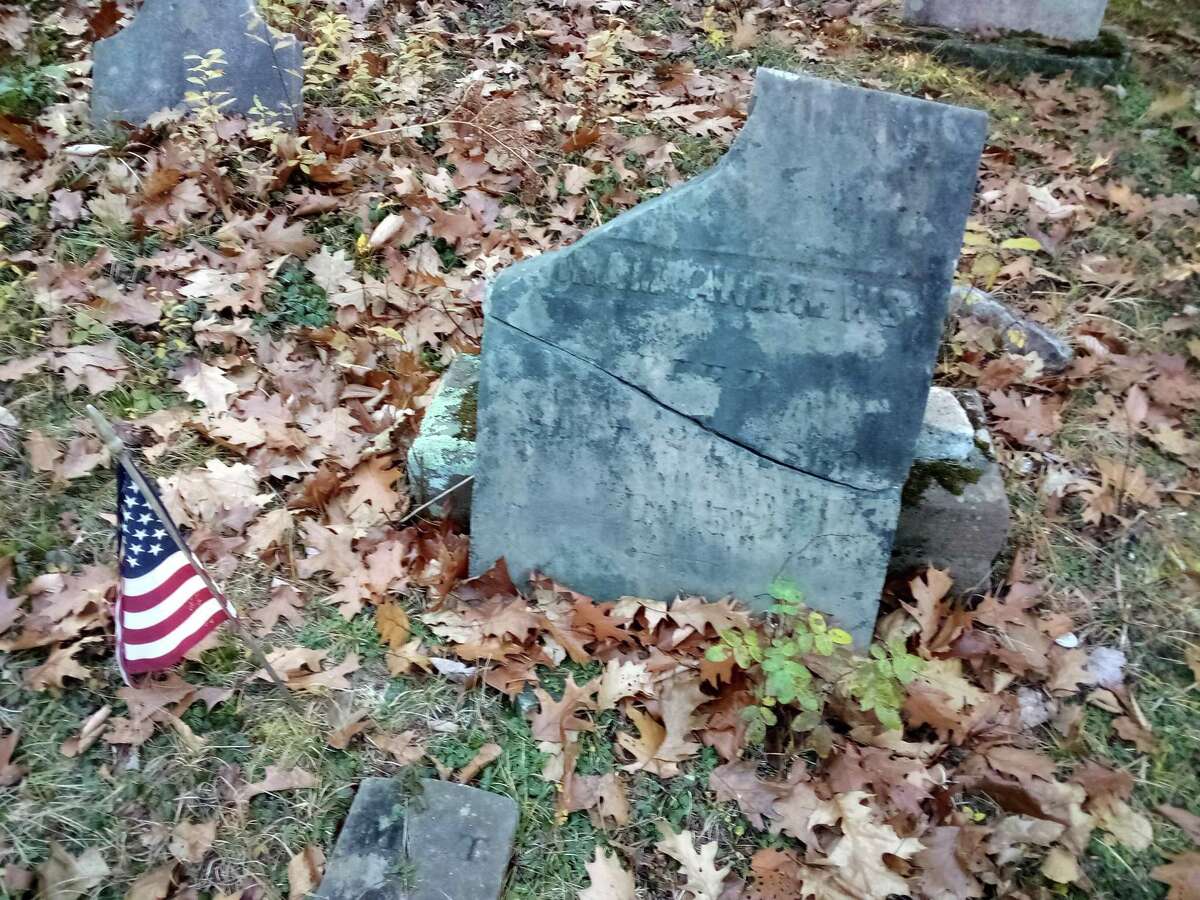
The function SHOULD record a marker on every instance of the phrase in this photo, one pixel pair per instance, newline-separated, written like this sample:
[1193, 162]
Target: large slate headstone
[724, 385]
[451, 842]
[1068, 20]
[144, 67]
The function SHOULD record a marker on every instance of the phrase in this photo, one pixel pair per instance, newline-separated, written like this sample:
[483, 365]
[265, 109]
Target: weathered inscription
[756, 285]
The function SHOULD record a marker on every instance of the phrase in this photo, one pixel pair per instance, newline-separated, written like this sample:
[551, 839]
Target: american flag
[164, 607]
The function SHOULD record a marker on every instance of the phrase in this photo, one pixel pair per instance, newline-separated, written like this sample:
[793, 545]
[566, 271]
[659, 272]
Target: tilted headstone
[1068, 20]
[449, 842]
[144, 68]
[723, 386]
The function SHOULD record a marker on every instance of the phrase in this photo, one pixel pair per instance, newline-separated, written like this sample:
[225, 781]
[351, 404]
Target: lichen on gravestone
[724, 385]
[145, 68]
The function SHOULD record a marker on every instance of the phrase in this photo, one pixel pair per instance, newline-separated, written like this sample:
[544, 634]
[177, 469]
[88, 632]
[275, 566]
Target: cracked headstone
[145, 67]
[722, 387]
[445, 842]
[1066, 20]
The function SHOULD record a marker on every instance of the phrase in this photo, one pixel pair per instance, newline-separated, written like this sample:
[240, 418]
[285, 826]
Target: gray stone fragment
[444, 452]
[961, 532]
[144, 68]
[955, 512]
[1018, 335]
[724, 385]
[946, 432]
[449, 843]
[1068, 20]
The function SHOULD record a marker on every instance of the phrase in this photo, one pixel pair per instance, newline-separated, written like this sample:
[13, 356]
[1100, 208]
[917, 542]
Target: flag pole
[121, 454]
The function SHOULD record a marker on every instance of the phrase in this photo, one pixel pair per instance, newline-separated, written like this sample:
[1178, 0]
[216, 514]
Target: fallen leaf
[66, 877]
[858, 854]
[393, 624]
[10, 772]
[304, 871]
[487, 754]
[275, 780]
[1061, 866]
[609, 879]
[191, 841]
[1182, 874]
[406, 748]
[620, 680]
[699, 867]
[1185, 821]
[756, 797]
[209, 387]
[556, 717]
[153, 885]
[89, 733]
[1120, 820]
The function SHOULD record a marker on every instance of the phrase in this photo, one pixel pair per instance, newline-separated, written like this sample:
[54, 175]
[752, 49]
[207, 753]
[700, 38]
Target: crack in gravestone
[695, 421]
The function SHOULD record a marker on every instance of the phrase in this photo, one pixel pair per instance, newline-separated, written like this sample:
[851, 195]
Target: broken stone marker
[451, 842]
[145, 67]
[1017, 335]
[723, 386]
[443, 454]
[955, 512]
[1067, 20]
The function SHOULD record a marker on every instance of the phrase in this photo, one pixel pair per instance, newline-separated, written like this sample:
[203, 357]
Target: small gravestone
[1067, 20]
[145, 67]
[449, 842]
[723, 386]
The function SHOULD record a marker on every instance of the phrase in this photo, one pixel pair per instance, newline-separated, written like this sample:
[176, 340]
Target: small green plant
[25, 91]
[795, 636]
[296, 301]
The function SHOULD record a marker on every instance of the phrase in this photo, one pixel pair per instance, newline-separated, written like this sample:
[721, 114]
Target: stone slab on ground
[1067, 20]
[450, 843]
[724, 385]
[1097, 62]
[143, 68]
[1018, 335]
[443, 453]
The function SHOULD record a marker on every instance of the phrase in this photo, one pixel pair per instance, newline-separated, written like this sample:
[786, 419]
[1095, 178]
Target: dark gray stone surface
[143, 68]
[1017, 335]
[450, 843]
[1068, 20]
[724, 385]
[443, 453]
[961, 531]
[955, 513]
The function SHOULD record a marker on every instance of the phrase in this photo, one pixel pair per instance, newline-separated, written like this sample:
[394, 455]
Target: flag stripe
[147, 604]
[141, 634]
[174, 639]
[140, 666]
[144, 584]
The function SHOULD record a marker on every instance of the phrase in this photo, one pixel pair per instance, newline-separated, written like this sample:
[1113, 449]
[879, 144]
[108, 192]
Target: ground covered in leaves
[270, 314]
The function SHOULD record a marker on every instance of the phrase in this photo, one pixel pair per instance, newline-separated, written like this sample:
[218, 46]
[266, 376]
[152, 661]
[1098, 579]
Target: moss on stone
[468, 411]
[952, 476]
